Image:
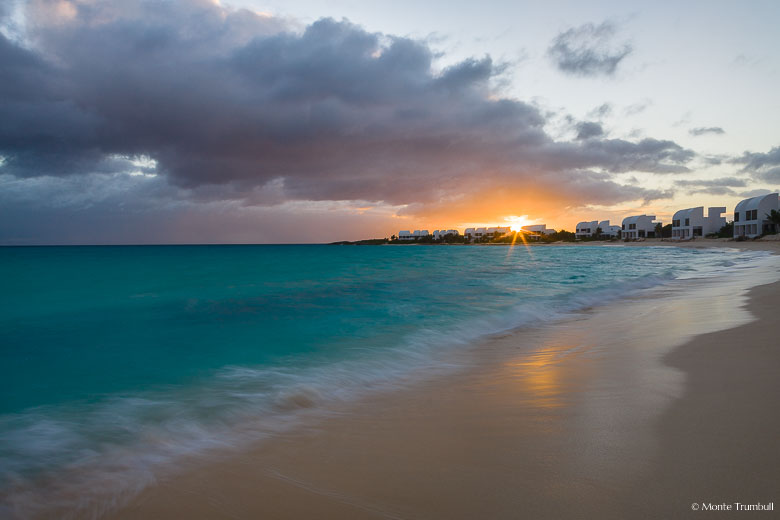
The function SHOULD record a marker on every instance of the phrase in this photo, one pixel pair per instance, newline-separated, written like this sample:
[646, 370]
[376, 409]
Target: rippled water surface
[116, 360]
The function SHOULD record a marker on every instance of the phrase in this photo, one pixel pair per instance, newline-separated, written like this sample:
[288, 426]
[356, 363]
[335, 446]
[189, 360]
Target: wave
[88, 458]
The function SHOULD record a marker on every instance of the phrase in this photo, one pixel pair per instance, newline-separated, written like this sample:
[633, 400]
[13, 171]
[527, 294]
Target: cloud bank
[588, 50]
[230, 105]
[720, 186]
[704, 130]
[762, 166]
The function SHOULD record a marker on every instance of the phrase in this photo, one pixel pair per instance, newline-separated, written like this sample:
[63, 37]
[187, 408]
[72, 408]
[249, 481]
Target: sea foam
[89, 454]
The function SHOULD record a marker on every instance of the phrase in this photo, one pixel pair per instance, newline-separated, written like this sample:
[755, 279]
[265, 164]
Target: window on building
[687, 222]
[736, 216]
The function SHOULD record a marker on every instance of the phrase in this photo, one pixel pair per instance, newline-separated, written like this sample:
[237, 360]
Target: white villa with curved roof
[540, 229]
[499, 230]
[441, 233]
[750, 215]
[608, 230]
[586, 229]
[638, 226]
[472, 233]
[691, 222]
[408, 235]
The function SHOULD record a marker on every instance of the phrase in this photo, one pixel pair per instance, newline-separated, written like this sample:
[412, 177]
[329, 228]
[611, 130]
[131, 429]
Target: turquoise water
[118, 360]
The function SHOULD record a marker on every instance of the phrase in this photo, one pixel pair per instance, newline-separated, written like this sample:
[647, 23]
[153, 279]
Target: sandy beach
[379, 259]
[651, 407]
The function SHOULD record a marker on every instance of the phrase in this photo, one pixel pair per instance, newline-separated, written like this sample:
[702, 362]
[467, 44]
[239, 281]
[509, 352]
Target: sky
[295, 121]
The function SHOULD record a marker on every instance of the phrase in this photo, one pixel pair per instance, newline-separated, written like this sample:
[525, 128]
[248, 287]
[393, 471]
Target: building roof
[534, 227]
[588, 223]
[754, 202]
[635, 218]
[686, 213]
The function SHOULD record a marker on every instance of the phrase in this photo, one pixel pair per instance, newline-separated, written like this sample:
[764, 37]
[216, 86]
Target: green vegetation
[665, 232]
[726, 231]
[368, 242]
[448, 239]
[774, 217]
[559, 236]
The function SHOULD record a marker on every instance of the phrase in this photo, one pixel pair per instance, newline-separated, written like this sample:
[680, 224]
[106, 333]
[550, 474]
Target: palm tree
[774, 217]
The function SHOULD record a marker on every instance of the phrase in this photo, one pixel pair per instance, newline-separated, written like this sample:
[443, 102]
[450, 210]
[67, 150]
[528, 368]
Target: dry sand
[631, 410]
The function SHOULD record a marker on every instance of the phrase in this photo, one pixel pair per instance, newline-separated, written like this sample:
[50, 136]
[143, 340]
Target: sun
[515, 222]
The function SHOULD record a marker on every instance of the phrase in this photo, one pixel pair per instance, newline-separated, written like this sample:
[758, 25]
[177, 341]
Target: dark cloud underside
[588, 50]
[704, 130]
[764, 167]
[227, 104]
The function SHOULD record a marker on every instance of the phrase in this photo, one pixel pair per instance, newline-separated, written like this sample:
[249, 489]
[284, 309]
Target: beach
[385, 260]
[652, 407]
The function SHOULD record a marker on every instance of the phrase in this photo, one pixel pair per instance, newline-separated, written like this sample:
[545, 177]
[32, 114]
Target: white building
[609, 231]
[478, 233]
[441, 233]
[691, 222]
[408, 235]
[638, 226]
[500, 231]
[750, 215]
[540, 229]
[586, 229]
[475, 233]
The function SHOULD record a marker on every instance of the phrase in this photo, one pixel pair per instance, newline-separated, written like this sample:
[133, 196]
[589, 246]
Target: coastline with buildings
[753, 217]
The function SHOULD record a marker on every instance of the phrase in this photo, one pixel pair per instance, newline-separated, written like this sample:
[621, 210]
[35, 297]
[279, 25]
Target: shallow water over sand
[118, 362]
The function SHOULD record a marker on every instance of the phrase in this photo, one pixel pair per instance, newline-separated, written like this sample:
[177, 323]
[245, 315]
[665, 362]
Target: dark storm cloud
[647, 155]
[703, 130]
[761, 166]
[228, 104]
[756, 193]
[588, 129]
[714, 190]
[601, 111]
[734, 182]
[712, 160]
[721, 186]
[588, 50]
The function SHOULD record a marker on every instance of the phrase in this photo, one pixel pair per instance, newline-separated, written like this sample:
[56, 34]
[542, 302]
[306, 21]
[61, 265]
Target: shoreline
[718, 442]
[499, 439]
[761, 243]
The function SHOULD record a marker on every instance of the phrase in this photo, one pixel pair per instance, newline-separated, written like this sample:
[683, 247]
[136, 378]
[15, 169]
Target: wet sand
[636, 409]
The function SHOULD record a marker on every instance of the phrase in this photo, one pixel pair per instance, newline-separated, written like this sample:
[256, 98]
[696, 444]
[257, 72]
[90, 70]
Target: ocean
[118, 362]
